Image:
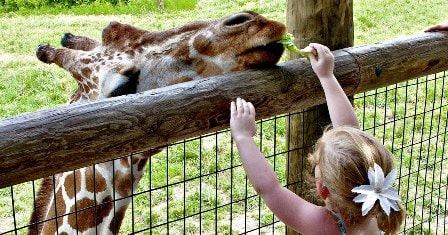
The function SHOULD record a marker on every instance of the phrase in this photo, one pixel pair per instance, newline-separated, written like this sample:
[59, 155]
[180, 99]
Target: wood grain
[55, 140]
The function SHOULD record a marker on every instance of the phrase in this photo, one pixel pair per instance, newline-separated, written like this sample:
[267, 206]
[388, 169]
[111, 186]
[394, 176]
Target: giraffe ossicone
[93, 200]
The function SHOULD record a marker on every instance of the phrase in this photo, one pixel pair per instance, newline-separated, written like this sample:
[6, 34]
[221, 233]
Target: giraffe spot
[85, 61]
[131, 53]
[50, 226]
[86, 72]
[69, 184]
[95, 80]
[123, 183]
[77, 77]
[91, 85]
[86, 88]
[125, 163]
[89, 215]
[142, 164]
[76, 96]
[207, 69]
[115, 224]
[140, 160]
[182, 52]
[100, 182]
[204, 46]
[60, 204]
[135, 159]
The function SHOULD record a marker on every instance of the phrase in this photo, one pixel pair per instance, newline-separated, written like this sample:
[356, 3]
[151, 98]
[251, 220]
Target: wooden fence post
[329, 23]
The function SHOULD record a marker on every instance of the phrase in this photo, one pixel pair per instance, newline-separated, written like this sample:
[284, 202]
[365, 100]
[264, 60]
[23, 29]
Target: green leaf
[288, 43]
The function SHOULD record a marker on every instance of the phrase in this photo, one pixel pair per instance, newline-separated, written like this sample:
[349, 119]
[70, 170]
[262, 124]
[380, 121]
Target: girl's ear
[322, 190]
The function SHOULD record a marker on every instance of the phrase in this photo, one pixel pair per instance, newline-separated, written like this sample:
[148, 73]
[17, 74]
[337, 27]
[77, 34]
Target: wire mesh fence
[198, 186]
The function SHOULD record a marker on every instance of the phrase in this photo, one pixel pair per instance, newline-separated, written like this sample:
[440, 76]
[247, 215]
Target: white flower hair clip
[378, 188]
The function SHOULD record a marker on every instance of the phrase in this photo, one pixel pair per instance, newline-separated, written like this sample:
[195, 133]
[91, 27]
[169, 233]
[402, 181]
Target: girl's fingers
[246, 107]
[239, 105]
[233, 109]
[251, 108]
[312, 57]
[317, 47]
[433, 28]
[320, 48]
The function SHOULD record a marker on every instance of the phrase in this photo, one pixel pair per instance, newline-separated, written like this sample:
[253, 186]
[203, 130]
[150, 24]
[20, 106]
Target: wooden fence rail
[46, 142]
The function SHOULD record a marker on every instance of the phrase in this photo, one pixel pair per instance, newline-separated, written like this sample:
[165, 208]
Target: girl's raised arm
[340, 109]
[287, 206]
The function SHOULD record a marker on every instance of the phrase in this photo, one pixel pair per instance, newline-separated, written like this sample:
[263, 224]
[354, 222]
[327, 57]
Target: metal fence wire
[198, 186]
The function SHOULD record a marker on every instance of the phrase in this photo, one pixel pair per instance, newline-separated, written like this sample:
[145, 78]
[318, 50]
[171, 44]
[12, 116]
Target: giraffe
[93, 200]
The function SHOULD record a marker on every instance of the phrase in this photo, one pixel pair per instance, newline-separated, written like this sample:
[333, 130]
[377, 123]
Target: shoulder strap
[341, 224]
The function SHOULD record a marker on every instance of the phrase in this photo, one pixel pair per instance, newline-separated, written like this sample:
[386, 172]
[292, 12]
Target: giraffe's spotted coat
[130, 60]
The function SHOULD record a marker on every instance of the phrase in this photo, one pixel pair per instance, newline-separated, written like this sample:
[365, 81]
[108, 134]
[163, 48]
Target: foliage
[90, 6]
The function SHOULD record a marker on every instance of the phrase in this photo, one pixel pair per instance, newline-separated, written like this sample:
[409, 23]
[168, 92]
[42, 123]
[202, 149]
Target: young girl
[350, 169]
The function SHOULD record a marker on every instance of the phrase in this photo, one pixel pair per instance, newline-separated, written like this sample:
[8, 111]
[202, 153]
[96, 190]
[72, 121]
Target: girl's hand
[323, 67]
[440, 27]
[242, 119]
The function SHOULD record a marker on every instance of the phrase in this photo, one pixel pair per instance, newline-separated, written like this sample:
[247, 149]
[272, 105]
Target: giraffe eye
[238, 19]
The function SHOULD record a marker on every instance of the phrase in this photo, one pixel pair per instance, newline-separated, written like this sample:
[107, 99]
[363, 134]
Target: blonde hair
[344, 155]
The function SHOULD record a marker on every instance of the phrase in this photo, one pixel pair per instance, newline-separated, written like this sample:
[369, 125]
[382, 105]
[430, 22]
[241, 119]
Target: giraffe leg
[72, 41]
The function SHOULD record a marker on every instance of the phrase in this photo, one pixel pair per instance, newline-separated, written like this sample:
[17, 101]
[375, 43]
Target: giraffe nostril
[238, 19]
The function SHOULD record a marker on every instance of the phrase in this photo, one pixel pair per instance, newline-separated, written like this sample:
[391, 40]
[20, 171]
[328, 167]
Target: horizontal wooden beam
[46, 142]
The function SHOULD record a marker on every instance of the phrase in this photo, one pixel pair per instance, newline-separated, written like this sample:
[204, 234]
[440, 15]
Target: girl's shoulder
[325, 222]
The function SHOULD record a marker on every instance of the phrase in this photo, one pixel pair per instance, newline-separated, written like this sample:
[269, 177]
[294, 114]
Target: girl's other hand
[443, 26]
[242, 119]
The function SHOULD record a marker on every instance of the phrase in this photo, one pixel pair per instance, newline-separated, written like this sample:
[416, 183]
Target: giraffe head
[130, 60]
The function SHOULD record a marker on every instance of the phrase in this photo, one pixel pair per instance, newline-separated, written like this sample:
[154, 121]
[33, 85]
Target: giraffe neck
[98, 195]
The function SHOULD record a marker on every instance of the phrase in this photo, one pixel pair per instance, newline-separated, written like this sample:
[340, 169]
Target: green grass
[91, 7]
[209, 175]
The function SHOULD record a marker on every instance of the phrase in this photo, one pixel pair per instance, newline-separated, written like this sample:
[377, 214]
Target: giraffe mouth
[274, 46]
[265, 55]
